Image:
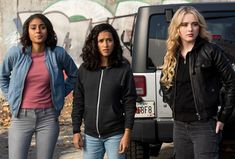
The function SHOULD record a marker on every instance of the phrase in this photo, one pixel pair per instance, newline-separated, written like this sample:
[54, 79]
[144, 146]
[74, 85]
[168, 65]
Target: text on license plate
[145, 109]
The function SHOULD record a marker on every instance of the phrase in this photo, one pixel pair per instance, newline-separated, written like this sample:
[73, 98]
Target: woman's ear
[178, 32]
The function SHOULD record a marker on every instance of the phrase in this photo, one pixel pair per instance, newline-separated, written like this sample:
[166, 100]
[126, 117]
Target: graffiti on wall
[73, 19]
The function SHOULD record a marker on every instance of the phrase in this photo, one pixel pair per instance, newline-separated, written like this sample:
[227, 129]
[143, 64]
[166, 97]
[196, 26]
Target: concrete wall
[72, 19]
[8, 12]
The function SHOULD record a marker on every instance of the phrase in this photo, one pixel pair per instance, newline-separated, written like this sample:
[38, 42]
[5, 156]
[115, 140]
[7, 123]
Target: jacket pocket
[204, 64]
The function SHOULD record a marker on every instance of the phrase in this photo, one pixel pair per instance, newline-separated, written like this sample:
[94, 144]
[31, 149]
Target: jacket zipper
[174, 88]
[193, 90]
[98, 103]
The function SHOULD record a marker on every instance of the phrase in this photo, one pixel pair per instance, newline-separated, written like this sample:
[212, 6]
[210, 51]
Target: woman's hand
[219, 126]
[125, 141]
[77, 141]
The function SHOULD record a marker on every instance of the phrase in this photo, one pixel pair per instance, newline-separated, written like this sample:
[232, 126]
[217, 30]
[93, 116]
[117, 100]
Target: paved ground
[65, 149]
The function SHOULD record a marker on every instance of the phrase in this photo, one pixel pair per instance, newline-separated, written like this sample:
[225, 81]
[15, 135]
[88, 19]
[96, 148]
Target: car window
[157, 40]
[222, 28]
[221, 25]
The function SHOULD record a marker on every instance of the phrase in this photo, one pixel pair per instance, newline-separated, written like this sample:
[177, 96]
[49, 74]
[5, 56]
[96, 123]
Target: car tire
[138, 150]
[155, 149]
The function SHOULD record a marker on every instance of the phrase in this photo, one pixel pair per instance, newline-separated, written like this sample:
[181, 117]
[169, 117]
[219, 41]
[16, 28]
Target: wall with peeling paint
[72, 19]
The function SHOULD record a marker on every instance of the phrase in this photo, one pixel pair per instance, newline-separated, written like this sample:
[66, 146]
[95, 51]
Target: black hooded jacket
[209, 70]
[105, 99]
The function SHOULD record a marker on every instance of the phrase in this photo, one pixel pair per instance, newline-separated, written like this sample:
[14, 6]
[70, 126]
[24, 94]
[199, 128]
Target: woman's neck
[38, 48]
[186, 47]
[104, 61]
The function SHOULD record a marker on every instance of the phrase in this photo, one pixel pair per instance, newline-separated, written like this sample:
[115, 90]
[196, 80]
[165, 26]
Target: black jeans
[196, 140]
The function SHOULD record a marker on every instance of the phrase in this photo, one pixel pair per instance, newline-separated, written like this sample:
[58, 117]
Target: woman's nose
[38, 29]
[105, 43]
[190, 27]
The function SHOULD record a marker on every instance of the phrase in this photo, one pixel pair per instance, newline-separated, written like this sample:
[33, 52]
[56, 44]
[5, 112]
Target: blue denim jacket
[15, 67]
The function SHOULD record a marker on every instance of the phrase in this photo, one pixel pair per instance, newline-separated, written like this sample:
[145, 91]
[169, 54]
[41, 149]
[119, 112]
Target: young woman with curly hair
[104, 96]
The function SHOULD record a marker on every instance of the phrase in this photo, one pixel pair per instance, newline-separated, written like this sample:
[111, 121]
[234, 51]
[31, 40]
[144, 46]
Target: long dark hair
[90, 52]
[51, 40]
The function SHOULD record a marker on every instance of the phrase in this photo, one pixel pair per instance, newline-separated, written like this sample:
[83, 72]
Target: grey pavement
[64, 148]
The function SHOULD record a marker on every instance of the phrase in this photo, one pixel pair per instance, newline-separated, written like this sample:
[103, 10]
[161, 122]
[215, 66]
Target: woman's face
[105, 43]
[189, 28]
[37, 31]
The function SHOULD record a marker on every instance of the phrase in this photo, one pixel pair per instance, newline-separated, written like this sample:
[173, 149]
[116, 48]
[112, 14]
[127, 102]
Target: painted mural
[73, 19]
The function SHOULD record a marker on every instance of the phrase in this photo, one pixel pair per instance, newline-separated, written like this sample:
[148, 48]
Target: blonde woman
[192, 73]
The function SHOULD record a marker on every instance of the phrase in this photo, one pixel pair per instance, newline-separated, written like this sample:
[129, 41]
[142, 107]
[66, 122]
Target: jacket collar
[199, 42]
[28, 50]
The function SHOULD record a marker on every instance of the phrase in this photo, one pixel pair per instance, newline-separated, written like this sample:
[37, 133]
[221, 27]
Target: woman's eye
[43, 27]
[195, 24]
[183, 24]
[100, 41]
[109, 40]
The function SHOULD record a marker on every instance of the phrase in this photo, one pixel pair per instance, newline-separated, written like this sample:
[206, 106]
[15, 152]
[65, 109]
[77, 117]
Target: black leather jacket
[208, 69]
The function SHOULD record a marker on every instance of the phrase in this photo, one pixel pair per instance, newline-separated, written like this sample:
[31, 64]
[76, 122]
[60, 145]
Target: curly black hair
[51, 40]
[90, 52]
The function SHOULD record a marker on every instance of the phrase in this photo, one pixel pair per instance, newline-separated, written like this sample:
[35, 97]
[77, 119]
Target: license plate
[145, 109]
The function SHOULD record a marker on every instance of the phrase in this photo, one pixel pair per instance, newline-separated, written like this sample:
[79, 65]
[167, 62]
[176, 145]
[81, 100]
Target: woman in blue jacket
[104, 96]
[32, 80]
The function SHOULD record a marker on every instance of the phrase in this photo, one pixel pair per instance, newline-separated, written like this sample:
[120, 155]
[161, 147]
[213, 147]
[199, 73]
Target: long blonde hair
[173, 42]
